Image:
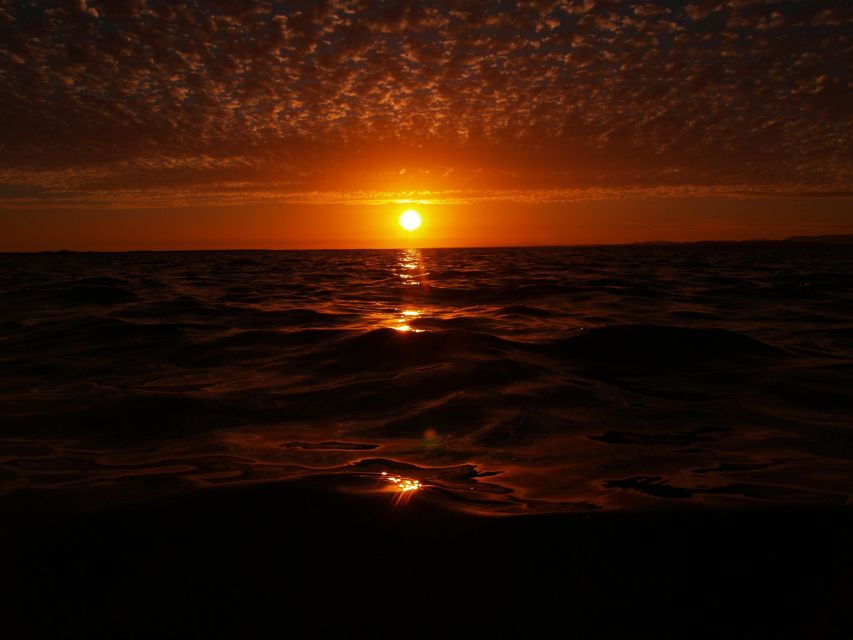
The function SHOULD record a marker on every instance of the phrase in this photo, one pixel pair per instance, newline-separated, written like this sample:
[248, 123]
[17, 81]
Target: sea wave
[504, 381]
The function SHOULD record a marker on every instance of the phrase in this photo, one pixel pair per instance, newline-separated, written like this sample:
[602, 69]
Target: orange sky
[278, 226]
[194, 124]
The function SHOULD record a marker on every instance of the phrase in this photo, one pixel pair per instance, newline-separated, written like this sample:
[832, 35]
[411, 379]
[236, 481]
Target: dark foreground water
[502, 380]
[202, 445]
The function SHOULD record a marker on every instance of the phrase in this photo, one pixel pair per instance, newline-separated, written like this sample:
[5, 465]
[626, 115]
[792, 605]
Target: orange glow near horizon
[364, 226]
[316, 125]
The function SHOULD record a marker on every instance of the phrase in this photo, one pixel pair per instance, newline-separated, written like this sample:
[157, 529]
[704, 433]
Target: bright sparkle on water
[403, 485]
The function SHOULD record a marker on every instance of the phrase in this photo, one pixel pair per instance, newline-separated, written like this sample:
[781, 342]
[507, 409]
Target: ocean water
[495, 380]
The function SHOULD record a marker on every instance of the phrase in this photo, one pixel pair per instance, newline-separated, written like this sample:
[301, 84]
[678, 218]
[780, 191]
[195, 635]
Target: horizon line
[805, 239]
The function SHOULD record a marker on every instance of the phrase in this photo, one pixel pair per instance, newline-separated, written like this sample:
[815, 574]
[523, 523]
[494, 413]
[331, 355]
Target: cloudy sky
[148, 123]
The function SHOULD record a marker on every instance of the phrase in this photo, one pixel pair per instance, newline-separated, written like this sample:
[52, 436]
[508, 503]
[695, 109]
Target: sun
[410, 220]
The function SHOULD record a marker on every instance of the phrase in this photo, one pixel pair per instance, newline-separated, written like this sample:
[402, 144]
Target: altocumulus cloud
[140, 101]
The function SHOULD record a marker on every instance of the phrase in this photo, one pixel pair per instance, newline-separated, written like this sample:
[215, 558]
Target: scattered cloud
[133, 101]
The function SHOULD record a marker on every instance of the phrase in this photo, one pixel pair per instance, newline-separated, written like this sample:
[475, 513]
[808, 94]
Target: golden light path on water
[411, 272]
[405, 317]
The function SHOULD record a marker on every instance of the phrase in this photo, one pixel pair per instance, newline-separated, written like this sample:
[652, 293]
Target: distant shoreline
[833, 240]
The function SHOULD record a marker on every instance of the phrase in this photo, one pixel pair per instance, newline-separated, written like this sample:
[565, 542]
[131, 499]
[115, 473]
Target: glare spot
[403, 485]
[403, 321]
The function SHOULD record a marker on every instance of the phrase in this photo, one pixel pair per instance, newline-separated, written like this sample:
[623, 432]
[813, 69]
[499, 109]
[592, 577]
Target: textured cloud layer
[131, 101]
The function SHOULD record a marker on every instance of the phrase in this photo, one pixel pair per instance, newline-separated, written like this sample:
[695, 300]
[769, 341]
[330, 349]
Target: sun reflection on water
[406, 316]
[402, 484]
[403, 487]
[412, 274]
[410, 268]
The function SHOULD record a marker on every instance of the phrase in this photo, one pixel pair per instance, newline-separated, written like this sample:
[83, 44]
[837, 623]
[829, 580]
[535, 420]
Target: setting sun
[410, 220]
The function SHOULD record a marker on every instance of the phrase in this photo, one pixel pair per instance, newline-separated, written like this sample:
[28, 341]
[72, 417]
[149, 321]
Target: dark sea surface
[504, 381]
